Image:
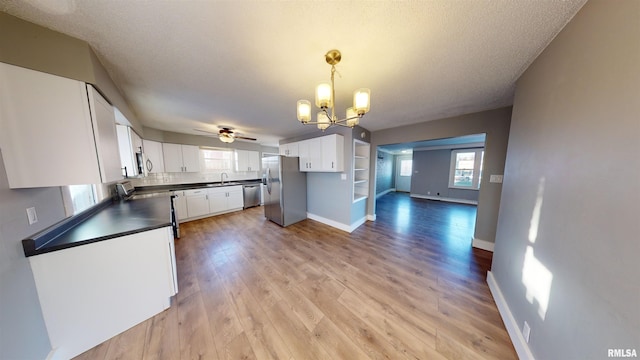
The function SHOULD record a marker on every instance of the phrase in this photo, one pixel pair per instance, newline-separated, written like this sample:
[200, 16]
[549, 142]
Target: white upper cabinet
[310, 152]
[290, 149]
[322, 154]
[104, 127]
[332, 153]
[247, 160]
[46, 133]
[154, 161]
[181, 158]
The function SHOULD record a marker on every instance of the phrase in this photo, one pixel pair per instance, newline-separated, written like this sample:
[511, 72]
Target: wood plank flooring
[407, 286]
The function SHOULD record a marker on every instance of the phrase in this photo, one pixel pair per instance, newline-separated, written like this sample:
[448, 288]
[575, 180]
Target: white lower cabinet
[90, 293]
[212, 201]
[197, 202]
[226, 198]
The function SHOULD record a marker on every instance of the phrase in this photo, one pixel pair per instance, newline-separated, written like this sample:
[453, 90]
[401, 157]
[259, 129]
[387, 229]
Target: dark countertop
[141, 190]
[105, 221]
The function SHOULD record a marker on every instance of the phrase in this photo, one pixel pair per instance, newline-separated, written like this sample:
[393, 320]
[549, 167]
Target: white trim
[385, 192]
[337, 225]
[440, 198]
[521, 346]
[371, 217]
[482, 244]
[52, 354]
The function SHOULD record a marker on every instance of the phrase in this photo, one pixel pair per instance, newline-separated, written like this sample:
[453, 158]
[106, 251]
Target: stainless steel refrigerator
[285, 196]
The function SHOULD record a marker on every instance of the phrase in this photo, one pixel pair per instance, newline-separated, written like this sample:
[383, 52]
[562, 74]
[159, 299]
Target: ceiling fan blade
[242, 137]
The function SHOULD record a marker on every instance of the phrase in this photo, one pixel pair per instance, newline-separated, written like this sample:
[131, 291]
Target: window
[216, 159]
[78, 198]
[405, 167]
[466, 168]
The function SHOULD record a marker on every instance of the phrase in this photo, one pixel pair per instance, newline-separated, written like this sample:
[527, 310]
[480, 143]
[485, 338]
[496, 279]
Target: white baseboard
[371, 217]
[385, 192]
[337, 225]
[482, 244]
[440, 198]
[521, 346]
[52, 354]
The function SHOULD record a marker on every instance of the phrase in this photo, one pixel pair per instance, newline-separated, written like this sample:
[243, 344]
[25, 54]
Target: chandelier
[325, 99]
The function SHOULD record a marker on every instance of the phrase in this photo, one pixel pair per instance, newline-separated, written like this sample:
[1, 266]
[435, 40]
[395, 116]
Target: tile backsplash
[189, 178]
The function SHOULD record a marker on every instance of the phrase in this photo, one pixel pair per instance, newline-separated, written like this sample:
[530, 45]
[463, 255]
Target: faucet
[222, 178]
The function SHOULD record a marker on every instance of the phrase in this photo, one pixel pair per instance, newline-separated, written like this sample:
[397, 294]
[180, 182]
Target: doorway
[404, 169]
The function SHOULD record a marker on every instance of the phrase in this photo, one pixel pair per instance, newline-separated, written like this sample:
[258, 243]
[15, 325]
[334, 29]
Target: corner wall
[567, 250]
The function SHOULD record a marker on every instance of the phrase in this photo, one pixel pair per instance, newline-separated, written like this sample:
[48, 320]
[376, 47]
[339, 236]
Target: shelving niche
[361, 152]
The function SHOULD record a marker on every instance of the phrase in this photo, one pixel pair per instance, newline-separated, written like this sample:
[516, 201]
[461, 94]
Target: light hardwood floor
[407, 286]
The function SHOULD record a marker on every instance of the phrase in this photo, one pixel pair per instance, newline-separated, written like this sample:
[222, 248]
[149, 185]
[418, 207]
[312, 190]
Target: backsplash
[188, 178]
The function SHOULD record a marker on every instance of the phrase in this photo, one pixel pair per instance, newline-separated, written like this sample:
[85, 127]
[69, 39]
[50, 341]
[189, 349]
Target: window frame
[203, 159]
[478, 163]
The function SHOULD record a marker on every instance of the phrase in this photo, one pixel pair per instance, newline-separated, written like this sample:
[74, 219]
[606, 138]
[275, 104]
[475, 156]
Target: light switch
[343, 176]
[495, 179]
[31, 214]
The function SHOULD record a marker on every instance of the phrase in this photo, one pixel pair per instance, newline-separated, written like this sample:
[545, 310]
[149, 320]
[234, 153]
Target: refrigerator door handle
[268, 180]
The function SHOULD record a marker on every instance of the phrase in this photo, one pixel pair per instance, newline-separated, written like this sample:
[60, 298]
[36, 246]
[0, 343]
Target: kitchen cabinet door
[310, 152]
[45, 130]
[290, 149]
[217, 200]
[197, 203]
[127, 155]
[181, 158]
[155, 159]
[104, 127]
[190, 158]
[235, 198]
[247, 160]
[172, 156]
[332, 150]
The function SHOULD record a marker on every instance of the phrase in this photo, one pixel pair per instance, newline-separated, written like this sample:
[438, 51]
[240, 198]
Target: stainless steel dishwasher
[251, 195]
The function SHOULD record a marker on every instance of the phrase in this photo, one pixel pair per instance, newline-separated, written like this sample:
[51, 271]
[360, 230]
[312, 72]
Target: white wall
[567, 251]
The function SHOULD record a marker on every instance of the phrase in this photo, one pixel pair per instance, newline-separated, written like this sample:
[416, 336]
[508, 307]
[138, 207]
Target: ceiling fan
[227, 134]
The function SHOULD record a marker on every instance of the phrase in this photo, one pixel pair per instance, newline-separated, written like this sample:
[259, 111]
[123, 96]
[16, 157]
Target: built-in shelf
[361, 152]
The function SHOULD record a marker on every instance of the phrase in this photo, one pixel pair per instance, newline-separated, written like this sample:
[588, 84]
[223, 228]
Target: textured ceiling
[199, 64]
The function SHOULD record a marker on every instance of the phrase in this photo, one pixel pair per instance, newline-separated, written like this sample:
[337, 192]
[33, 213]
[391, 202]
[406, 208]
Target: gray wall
[575, 131]
[431, 174]
[385, 174]
[494, 123]
[23, 334]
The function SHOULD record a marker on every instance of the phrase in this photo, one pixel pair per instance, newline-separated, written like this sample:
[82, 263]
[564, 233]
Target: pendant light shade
[323, 121]
[361, 103]
[304, 111]
[352, 117]
[323, 96]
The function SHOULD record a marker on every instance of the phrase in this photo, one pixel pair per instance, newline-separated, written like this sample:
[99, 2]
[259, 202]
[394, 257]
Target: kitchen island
[102, 272]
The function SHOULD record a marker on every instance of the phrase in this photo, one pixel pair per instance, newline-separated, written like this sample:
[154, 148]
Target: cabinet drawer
[195, 192]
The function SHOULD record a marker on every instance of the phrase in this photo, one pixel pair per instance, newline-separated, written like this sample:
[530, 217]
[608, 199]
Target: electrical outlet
[32, 216]
[526, 331]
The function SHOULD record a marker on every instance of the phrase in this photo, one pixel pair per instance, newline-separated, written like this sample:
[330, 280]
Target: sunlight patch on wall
[535, 216]
[537, 279]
